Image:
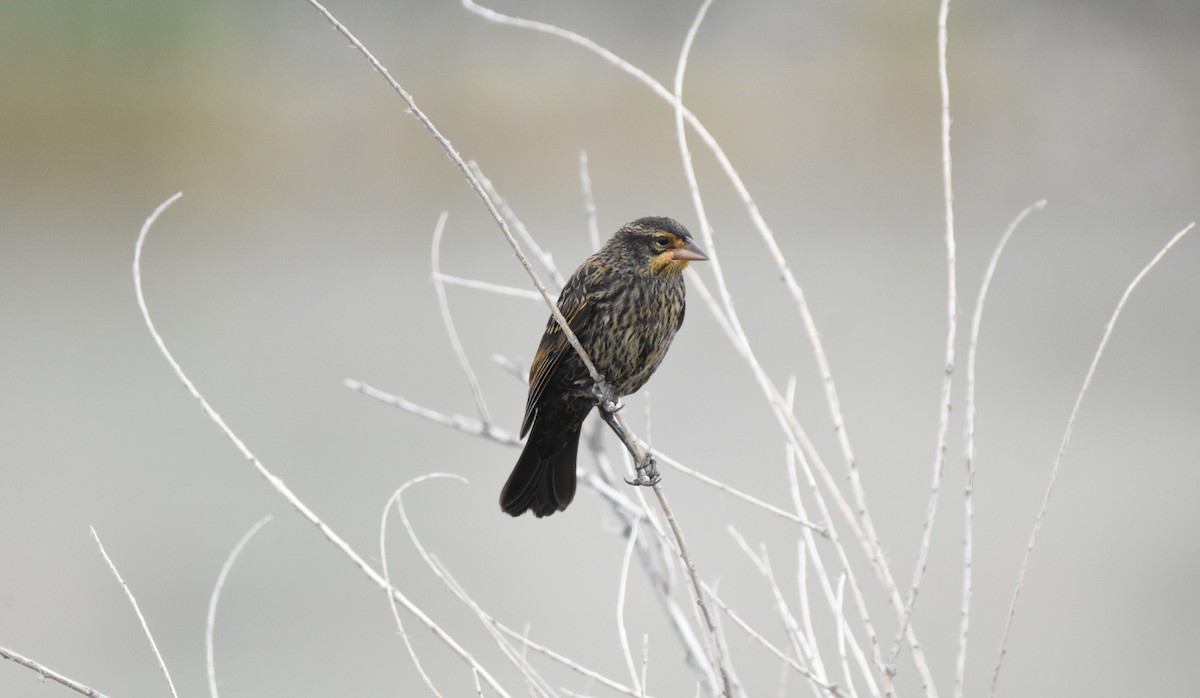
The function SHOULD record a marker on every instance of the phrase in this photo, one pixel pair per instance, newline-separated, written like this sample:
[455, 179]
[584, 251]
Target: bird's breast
[634, 331]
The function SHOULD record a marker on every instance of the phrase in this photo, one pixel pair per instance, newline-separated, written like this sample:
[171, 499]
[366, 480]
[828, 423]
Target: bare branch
[162, 665]
[211, 620]
[443, 576]
[565, 661]
[383, 565]
[939, 458]
[621, 633]
[960, 667]
[734, 492]
[457, 421]
[277, 483]
[478, 285]
[589, 202]
[517, 226]
[719, 659]
[799, 642]
[841, 635]
[48, 673]
[448, 321]
[1066, 440]
[794, 455]
[510, 367]
[831, 689]
[645, 661]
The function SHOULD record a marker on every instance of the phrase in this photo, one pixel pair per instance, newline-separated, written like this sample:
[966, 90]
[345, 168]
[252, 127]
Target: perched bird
[624, 304]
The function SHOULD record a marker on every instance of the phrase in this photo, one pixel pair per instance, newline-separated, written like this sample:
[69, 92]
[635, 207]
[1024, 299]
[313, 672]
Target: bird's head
[657, 245]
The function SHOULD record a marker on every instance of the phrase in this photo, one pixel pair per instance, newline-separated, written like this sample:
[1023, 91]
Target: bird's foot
[647, 473]
[606, 396]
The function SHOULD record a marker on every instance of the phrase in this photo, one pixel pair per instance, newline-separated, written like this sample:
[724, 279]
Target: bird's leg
[610, 403]
[647, 469]
[606, 396]
[647, 472]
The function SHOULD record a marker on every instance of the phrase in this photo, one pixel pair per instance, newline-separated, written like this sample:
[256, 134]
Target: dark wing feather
[576, 305]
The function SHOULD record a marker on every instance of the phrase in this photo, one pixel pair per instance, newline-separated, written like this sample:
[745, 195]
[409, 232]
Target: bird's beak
[690, 252]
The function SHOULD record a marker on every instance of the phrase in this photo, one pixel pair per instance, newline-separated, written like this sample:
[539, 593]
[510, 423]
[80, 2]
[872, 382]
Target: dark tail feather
[544, 477]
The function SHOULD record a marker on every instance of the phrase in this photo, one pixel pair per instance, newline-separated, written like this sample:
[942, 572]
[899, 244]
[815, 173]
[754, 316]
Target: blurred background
[299, 256]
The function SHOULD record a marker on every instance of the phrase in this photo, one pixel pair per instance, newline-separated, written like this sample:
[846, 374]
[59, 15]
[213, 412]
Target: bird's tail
[544, 478]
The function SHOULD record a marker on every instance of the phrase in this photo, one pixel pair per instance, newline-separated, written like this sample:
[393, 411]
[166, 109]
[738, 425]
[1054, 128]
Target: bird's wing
[576, 302]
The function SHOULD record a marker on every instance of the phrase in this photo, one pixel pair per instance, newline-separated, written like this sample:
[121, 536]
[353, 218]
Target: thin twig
[211, 620]
[734, 492]
[622, 585]
[720, 659]
[478, 285]
[565, 661]
[736, 688]
[443, 576]
[841, 634]
[48, 673]
[808, 554]
[162, 665]
[812, 651]
[860, 602]
[645, 661]
[457, 421]
[525, 655]
[939, 458]
[799, 643]
[661, 576]
[383, 567]
[960, 667]
[274, 481]
[805, 609]
[1066, 440]
[515, 224]
[533, 680]
[589, 201]
[832, 689]
[510, 367]
[448, 320]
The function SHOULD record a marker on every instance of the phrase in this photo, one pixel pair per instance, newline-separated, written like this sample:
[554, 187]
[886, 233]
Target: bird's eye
[662, 240]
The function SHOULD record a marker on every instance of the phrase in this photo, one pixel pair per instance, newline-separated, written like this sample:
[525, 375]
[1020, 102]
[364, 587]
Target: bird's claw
[606, 397]
[647, 473]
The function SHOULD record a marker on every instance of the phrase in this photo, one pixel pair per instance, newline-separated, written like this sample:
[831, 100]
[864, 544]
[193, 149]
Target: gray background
[299, 257]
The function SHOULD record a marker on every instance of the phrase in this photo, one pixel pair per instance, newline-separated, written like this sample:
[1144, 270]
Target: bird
[624, 303]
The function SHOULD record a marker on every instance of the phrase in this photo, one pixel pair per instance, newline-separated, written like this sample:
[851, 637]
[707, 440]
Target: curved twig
[276, 482]
[622, 634]
[211, 620]
[435, 264]
[960, 666]
[1066, 440]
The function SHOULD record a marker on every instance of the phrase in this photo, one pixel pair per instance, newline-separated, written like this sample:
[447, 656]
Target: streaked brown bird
[624, 304]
